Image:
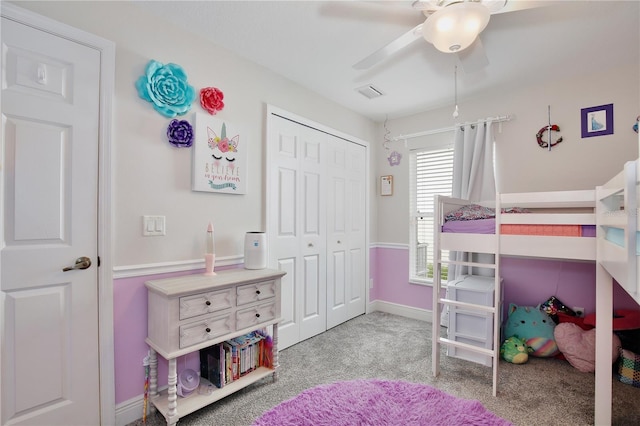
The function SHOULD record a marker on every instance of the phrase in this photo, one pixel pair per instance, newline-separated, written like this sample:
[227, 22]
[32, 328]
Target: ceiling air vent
[370, 91]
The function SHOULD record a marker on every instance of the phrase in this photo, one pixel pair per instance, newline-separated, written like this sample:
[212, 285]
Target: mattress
[488, 226]
[478, 226]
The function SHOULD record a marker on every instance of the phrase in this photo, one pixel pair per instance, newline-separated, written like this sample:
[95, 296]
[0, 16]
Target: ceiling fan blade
[473, 58]
[494, 6]
[514, 6]
[391, 48]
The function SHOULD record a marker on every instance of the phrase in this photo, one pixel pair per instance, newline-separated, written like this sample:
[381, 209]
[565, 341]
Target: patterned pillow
[475, 211]
[515, 210]
[470, 212]
[629, 368]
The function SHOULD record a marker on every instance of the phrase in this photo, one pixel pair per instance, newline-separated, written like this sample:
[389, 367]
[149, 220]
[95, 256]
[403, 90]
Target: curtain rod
[498, 119]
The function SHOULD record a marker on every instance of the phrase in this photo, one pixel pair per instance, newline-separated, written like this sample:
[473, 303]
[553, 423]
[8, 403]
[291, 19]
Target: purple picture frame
[597, 121]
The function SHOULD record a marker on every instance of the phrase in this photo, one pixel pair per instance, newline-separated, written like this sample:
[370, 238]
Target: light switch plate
[153, 226]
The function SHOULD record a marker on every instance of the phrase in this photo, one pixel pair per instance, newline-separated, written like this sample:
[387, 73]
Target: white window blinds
[431, 174]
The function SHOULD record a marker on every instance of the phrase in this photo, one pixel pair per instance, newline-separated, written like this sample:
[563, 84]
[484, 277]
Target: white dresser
[193, 312]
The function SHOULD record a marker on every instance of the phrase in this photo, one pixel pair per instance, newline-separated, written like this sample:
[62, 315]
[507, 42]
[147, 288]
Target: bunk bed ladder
[438, 300]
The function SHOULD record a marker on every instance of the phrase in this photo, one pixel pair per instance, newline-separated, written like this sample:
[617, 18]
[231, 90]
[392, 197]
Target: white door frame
[273, 110]
[105, 271]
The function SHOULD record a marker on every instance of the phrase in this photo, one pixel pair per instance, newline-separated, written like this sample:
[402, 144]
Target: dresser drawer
[255, 315]
[206, 303]
[206, 329]
[255, 292]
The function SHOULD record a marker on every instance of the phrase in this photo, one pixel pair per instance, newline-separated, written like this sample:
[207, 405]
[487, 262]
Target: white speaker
[255, 250]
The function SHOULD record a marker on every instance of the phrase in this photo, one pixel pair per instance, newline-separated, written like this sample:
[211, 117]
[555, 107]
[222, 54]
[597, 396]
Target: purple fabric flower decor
[180, 133]
[166, 87]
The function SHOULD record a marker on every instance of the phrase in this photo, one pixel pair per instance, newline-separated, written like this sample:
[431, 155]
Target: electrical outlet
[579, 311]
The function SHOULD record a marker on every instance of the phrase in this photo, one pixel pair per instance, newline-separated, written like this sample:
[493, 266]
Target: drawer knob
[257, 291]
[208, 303]
[257, 315]
[208, 330]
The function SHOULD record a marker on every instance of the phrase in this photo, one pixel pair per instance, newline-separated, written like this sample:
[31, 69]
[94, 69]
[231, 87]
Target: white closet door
[297, 228]
[346, 228]
[357, 227]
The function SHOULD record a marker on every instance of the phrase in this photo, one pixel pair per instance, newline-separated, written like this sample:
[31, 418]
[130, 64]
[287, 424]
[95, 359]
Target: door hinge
[98, 261]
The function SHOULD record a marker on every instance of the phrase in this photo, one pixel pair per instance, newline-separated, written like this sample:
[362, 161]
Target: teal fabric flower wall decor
[166, 87]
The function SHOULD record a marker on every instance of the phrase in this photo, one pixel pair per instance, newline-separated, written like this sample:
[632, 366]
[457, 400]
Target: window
[431, 173]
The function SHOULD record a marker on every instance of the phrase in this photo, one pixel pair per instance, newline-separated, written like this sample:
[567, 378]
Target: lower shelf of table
[195, 401]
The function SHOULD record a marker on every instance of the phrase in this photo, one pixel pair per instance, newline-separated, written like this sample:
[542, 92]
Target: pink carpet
[377, 402]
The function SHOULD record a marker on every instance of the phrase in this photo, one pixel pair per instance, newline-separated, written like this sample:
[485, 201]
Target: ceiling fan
[452, 26]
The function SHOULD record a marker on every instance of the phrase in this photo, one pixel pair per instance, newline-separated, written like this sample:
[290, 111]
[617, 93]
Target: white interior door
[49, 184]
[297, 228]
[346, 231]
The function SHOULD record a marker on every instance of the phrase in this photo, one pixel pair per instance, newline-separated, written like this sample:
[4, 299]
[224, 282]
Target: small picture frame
[597, 121]
[386, 185]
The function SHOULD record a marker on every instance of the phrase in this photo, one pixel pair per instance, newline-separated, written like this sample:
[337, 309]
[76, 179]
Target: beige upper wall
[523, 166]
[153, 178]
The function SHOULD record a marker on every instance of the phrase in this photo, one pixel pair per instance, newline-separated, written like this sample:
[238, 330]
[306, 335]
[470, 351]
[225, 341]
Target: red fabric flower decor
[211, 99]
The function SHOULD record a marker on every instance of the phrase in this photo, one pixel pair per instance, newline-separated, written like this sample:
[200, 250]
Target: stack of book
[225, 362]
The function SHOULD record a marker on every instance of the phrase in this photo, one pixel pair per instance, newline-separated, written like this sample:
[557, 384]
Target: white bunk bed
[574, 208]
[618, 248]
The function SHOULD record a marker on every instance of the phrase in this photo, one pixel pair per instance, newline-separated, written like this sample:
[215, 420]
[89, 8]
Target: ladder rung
[476, 264]
[485, 351]
[473, 306]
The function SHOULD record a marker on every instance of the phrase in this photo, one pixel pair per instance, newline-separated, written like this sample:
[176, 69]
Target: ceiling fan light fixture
[455, 27]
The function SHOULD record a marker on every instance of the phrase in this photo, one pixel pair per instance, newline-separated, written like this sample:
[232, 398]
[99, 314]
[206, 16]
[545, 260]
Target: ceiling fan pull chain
[455, 91]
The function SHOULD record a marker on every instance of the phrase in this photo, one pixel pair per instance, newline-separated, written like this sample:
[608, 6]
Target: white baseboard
[402, 310]
[131, 410]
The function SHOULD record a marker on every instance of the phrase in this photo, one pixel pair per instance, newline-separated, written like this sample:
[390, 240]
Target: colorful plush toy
[533, 325]
[553, 306]
[515, 350]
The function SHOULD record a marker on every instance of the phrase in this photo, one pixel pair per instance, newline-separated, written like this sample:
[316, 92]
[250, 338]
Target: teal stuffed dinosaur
[515, 350]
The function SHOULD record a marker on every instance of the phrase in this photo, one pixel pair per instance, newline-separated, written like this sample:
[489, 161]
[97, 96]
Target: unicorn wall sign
[219, 161]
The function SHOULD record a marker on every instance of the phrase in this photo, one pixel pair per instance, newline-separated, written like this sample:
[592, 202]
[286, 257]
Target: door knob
[81, 263]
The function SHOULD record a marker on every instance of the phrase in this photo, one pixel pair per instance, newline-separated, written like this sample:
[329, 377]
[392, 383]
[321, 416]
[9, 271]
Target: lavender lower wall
[391, 280]
[526, 282]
